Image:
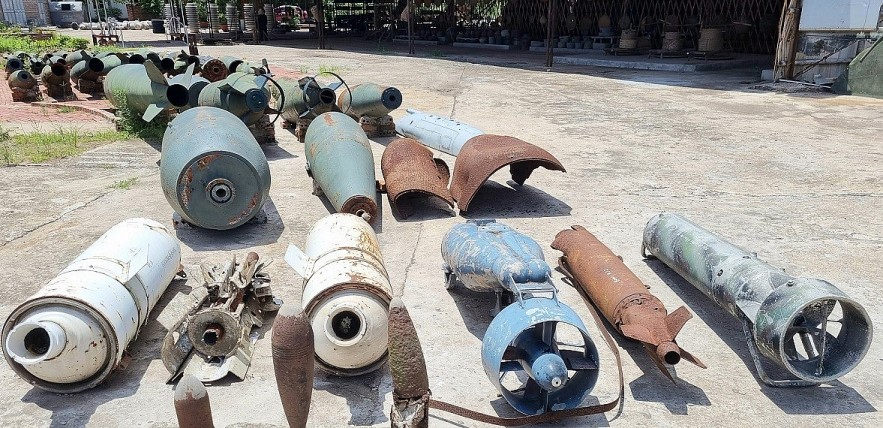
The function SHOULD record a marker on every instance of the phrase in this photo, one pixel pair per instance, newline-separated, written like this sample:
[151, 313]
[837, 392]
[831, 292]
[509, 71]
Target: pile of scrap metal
[215, 336]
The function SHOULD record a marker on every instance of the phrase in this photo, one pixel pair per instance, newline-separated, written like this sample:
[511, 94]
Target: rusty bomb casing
[71, 334]
[340, 161]
[244, 95]
[410, 407]
[192, 405]
[479, 155]
[808, 326]
[346, 294]
[621, 297]
[370, 100]
[520, 346]
[143, 88]
[293, 351]
[213, 172]
[55, 75]
[214, 70]
[410, 171]
[304, 99]
[89, 68]
[21, 79]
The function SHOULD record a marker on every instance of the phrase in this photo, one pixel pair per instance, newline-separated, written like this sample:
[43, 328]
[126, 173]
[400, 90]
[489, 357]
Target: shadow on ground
[254, 233]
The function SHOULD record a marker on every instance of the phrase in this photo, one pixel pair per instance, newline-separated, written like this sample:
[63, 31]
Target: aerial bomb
[213, 172]
[55, 75]
[346, 294]
[194, 85]
[112, 61]
[214, 70]
[13, 63]
[73, 332]
[622, 298]
[808, 326]
[143, 88]
[340, 161]
[304, 98]
[22, 79]
[244, 95]
[293, 363]
[89, 69]
[370, 99]
[487, 256]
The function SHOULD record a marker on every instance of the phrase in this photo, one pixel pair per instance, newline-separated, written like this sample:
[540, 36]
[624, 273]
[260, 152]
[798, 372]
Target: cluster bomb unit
[537, 352]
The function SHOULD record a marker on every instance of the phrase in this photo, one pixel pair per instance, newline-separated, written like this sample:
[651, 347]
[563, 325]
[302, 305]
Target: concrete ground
[794, 177]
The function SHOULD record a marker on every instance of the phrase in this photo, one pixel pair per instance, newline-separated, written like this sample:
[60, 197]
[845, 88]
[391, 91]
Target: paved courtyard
[796, 178]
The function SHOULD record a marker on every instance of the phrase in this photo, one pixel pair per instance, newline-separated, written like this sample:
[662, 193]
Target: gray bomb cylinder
[55, 75]
[213, 172]
[808, 326]
[194, 85]
[370, 99]
[303, 98]
[87, 69]
[72, 333]
[244, 95]
[143, 88]
[340, 161]
[22, 79]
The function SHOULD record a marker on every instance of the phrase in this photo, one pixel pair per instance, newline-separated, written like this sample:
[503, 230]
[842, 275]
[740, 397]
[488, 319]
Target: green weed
[436, 53]
[130, 122]
[124, 184]
[41, 146]
[10, 43]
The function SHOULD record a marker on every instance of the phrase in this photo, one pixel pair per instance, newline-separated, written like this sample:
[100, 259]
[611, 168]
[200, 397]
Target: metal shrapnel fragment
[409, 172]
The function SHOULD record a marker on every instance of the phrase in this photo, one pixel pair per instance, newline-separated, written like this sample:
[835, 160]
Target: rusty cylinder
[346, 294]
[340, 161]
[293, 363]
[22, 79]
[621, 297]
[408, 368]
[192, 405]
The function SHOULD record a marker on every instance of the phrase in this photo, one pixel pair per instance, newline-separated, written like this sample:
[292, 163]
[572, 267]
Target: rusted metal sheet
[293, 363]
[214, 70]
[410, 171]
[807, 326]
[192, 405]
[408, 368]
[483, 155]
[340, 160]
[212, 170]
[369, 99]
[621, 297]
[71, 334]
[215, 336]
[346, 293]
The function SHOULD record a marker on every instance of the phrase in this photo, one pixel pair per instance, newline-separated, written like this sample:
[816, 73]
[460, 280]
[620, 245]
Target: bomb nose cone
[192, 404]
[550, 372]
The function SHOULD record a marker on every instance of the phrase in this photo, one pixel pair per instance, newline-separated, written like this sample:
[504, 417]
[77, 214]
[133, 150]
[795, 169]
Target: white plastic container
[346, 294]
[72, 333]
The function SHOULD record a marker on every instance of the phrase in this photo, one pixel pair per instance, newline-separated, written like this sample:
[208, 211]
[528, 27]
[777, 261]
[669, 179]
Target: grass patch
[10, 43]
[124, 184]
[130, 122]
[40, 146]
[336, 69]
[382, 50]
[65, 109]
[436, 53]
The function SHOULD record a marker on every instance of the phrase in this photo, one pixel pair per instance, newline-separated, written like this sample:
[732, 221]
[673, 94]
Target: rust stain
[621, 296]
[293, 352]
[186, 191]
[251, 206]
[329, 119]
[409, 170]
[204, 162]
[483, 155]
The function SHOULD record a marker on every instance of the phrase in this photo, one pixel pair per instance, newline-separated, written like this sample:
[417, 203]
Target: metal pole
[410, 27]
[320, 24]
[549, 33]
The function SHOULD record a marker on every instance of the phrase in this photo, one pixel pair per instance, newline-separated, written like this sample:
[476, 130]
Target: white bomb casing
[346, 294]
[72, 333]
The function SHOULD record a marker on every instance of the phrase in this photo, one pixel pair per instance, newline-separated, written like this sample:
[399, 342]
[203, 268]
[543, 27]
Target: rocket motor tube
[346, 294]
[340, 160]
[212, 170]
[71, 334]
[784, 312]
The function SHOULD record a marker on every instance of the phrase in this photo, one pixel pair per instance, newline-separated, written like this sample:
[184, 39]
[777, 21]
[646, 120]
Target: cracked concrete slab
[795, 178]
